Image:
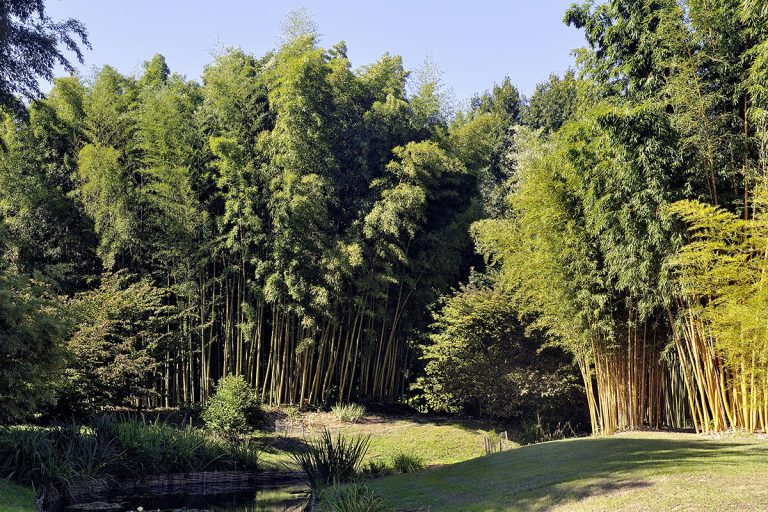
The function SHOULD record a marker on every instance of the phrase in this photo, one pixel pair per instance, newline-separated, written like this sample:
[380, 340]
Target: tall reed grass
[66, 455]
[69, 455]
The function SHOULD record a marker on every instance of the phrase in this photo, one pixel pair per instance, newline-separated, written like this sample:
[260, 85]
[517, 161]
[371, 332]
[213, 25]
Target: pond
[197, 493]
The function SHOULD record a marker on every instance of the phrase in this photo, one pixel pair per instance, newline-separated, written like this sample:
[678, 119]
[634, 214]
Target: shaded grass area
[15, 498]
[636, 471]
[436, 440]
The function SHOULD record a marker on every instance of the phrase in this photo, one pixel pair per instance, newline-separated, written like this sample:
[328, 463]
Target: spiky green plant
[329, 460]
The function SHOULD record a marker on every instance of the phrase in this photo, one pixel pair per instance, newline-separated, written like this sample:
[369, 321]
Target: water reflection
[286, 499]
[274, 500]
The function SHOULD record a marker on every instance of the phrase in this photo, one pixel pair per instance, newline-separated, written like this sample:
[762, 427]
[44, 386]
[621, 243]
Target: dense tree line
[289, 219]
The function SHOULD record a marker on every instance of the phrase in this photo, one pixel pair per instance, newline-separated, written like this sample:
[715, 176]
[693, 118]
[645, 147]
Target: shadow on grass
[516, 430]
[537, 477]
[285, 444]
[279, 452]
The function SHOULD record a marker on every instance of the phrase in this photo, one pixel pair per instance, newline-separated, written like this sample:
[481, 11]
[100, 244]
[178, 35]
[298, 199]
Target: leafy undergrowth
[435, 440]
[15, 498]
[633, 471]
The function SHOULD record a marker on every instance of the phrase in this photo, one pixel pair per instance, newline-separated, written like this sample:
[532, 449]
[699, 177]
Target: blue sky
[475, 43]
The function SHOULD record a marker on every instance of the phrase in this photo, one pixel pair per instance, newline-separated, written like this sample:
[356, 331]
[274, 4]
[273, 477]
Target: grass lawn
[632, 472]
[15, 498]
[437, 440]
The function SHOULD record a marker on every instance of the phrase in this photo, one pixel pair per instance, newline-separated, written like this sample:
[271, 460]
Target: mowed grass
[437, 441]
[627, 472]
[15, 498]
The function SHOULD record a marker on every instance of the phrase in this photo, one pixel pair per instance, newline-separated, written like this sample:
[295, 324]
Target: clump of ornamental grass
[355, 497]
[329, 459]
[406, 463]
[348, 413]
[376, 468]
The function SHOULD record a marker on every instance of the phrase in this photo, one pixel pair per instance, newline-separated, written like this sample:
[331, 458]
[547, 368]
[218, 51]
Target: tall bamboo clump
[720, 308]
[336, 215]
[562, 268]
[633, 383]
[631, 387]
[722, 332]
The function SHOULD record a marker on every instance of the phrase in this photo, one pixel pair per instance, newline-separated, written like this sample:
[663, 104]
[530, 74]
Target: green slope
[637, 471]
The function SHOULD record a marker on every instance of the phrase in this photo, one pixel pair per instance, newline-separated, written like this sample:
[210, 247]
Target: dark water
[282, 499]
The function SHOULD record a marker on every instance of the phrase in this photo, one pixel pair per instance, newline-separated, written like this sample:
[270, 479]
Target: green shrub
[234, 409]
[33, 324]
[348, 413]
[351, 498]
[514, 374]
[106, 366]
[331, 460]
[404, 463]
[292, 419]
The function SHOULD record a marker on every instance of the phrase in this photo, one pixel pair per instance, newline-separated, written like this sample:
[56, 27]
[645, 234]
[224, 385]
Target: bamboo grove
[289, 220]
[636, 236]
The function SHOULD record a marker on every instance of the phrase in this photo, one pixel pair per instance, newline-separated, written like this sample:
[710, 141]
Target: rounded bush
[234, 409]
